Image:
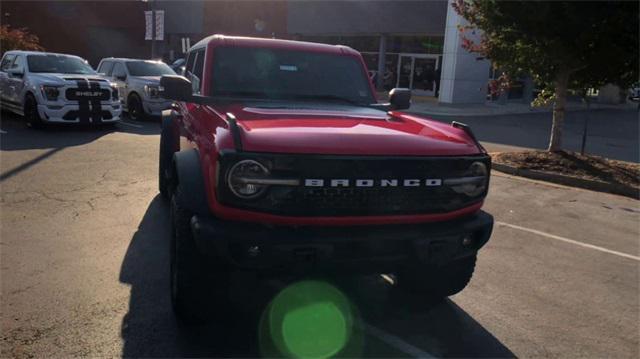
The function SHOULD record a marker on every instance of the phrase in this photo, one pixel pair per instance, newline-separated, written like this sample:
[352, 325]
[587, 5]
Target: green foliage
[545, 98]
[594, 42]
[17, 39]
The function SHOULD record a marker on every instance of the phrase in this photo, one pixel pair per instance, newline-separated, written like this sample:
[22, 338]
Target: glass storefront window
[360, 43]
[416, 44]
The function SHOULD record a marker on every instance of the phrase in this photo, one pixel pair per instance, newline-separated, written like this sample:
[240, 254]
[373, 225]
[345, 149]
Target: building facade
[411, 44]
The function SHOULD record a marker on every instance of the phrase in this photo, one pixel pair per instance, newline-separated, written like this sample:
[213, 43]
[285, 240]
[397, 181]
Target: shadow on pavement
[20, 137]
[440, 328]
[149, 329]
[17, 136]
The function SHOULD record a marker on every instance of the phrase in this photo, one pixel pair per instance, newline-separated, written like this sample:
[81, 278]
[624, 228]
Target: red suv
[277, 158]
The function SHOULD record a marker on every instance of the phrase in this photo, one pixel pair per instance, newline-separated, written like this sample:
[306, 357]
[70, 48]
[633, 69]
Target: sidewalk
[429, 106]
[511, 108]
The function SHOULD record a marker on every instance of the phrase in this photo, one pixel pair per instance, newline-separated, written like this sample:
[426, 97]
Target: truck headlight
[152, 91]
[114, 92]
[474, 183]
[50, 92]
[238, 178]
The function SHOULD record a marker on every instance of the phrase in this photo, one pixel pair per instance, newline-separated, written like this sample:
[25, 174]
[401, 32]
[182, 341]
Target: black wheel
[31, 114]
[438, 282]
[134, 107]
[199, 292]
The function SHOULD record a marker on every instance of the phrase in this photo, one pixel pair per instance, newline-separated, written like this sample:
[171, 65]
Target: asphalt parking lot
[85, 250]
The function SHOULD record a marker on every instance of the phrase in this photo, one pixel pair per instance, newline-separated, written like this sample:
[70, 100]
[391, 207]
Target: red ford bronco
[277, 158]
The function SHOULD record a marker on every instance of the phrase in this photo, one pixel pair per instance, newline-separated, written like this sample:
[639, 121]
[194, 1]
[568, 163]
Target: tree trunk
[562, 80]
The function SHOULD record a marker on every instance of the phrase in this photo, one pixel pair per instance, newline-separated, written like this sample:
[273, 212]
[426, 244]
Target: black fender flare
[169, 144]
[191, 192]
[169, 136]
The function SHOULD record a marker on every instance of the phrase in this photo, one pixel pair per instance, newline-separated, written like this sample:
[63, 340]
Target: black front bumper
[364, 249]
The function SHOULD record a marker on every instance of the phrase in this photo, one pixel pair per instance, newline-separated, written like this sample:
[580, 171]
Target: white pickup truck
[56, 88]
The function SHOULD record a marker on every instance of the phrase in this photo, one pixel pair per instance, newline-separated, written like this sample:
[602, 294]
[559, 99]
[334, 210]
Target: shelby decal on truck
[277, 159]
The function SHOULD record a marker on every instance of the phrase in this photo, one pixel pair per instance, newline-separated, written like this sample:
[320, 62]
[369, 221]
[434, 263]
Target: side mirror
[400, 98]
[121, 78]
[16, 72]
[176, 88]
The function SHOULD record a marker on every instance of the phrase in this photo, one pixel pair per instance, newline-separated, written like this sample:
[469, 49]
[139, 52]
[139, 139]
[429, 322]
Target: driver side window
[7, 60]
[18, 64]
[106, 67]
[118, 71]
[194, 69]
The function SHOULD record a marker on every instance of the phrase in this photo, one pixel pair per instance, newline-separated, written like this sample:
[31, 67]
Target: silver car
[138, 82]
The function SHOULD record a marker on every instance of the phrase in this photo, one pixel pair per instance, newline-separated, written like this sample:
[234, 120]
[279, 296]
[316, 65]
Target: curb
[569, 181]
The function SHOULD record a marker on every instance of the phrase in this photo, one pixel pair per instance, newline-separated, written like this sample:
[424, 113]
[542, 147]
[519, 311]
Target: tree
[563, 45]
[17, 39]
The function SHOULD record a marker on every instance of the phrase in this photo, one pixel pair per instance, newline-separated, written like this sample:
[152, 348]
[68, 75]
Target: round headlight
[239, 178]
[476, 181]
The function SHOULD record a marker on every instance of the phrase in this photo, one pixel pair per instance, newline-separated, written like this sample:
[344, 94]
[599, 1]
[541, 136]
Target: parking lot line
[567, 240]
[131, 124]
[3, 132]
[395, 342]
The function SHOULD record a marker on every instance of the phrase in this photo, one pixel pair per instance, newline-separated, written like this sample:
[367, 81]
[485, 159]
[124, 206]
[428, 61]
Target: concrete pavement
[84, 264]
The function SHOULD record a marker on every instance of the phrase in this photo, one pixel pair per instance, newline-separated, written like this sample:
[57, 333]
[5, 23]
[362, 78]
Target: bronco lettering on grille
[411, 182]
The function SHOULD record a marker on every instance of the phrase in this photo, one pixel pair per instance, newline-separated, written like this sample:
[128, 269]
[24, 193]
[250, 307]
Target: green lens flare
[309, 319]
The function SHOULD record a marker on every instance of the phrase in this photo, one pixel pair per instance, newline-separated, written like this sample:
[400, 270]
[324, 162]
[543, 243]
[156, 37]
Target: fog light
[467, 241]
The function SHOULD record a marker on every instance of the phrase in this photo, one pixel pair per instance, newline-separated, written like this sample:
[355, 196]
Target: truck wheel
[135, 109]
[198, 291]
[438, 282]
[31, 114]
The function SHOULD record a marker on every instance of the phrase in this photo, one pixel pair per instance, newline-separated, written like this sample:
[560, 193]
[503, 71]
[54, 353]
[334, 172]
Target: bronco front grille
[352, 201]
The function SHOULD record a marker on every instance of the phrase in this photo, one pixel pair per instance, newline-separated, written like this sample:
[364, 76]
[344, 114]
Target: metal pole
[381, 62]
[586, 126]
[153, 28]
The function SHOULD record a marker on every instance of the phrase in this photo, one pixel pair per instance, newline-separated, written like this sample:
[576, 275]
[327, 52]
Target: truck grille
[86, 94]
[353, 201]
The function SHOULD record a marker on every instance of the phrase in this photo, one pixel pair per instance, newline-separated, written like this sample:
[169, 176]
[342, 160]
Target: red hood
[345, 130]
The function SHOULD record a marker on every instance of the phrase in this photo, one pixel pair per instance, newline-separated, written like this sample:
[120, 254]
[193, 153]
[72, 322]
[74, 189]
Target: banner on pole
[148, 21]
[159, 25]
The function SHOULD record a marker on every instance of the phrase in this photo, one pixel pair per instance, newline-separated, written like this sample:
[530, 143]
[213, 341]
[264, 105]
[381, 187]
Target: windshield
[148, 68]
[286, 74]
[58, 64]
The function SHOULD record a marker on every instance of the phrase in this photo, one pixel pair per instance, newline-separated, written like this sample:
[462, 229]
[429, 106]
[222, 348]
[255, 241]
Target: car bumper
[155, 108]
[70, 113]
[362, 249]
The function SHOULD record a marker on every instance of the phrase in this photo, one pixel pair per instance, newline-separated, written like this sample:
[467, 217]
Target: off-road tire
[135, 108]
[31, 115]
[438, 282]
[199, 292]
